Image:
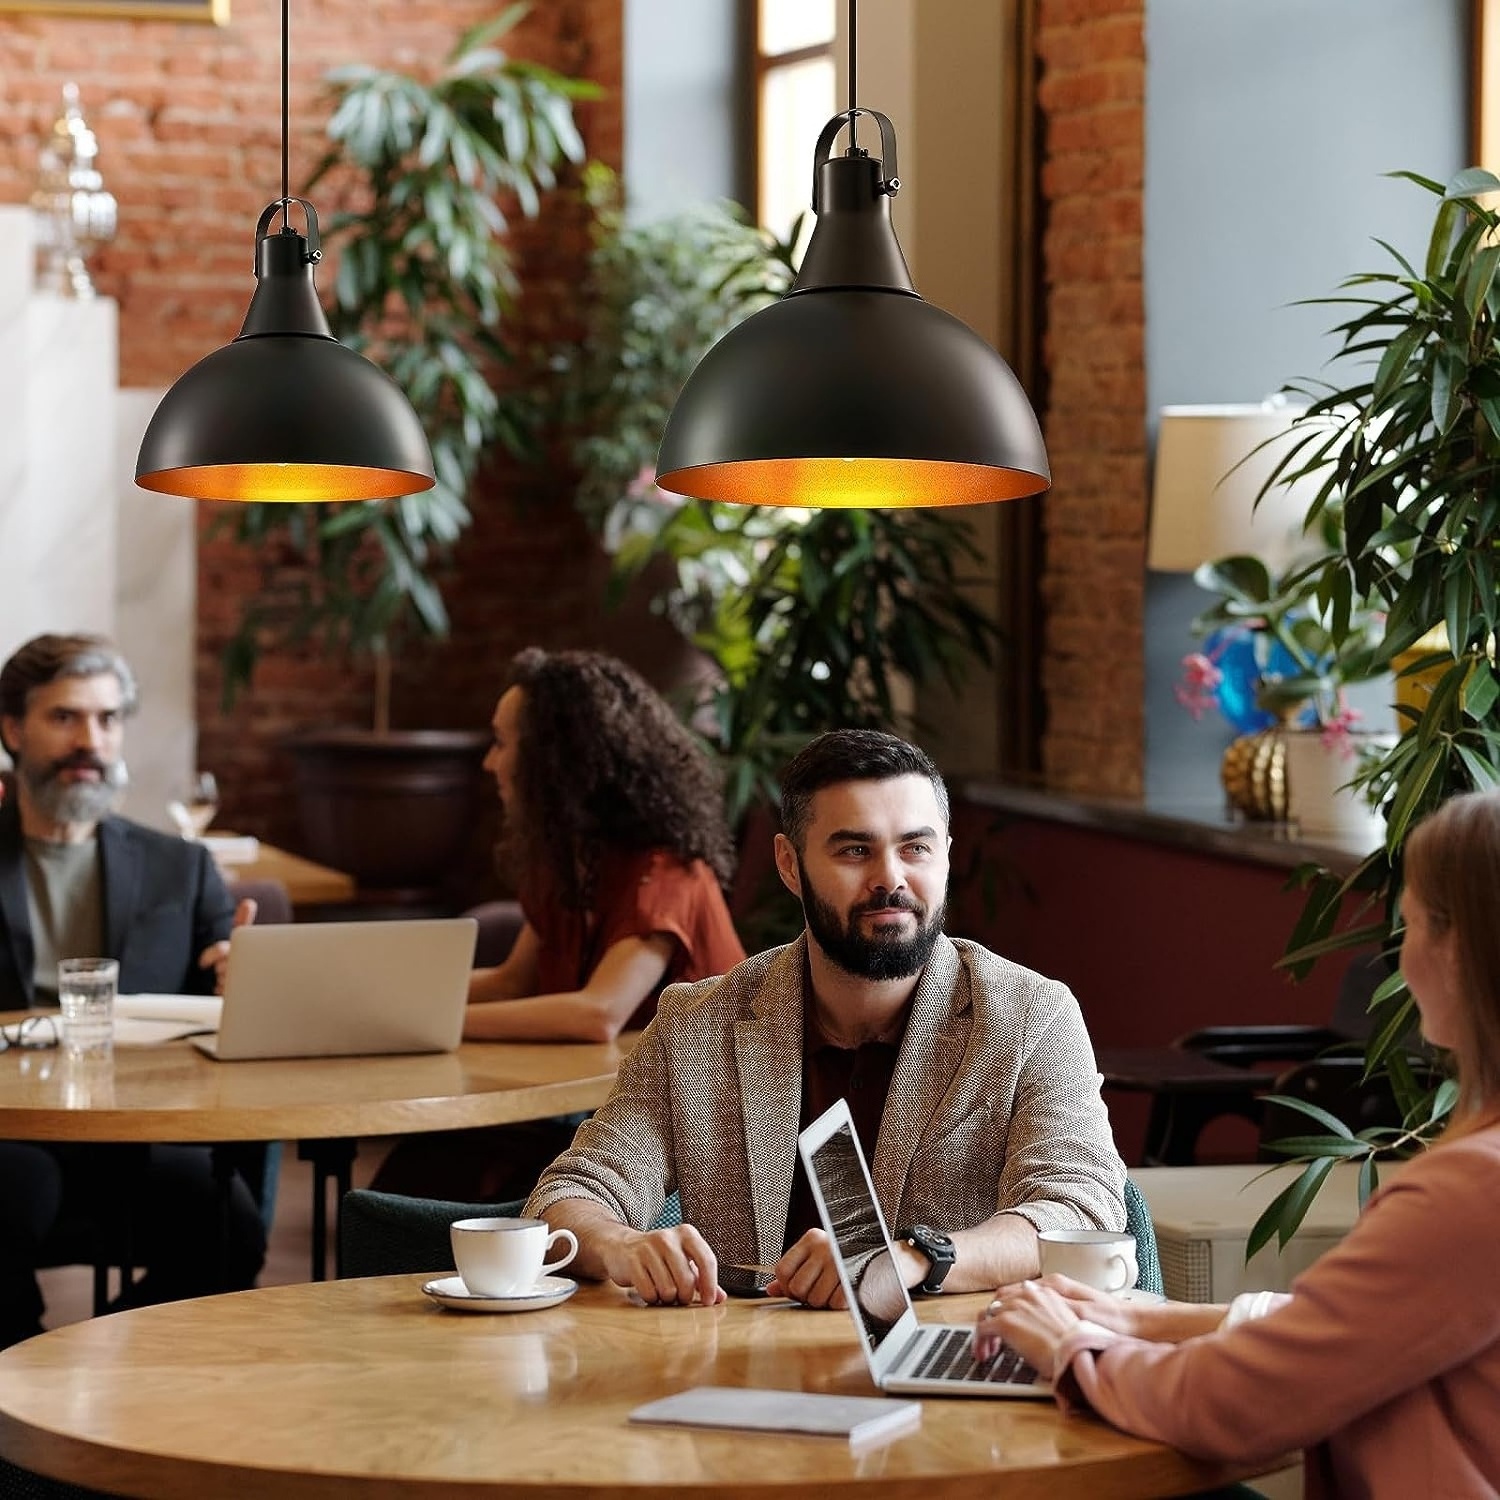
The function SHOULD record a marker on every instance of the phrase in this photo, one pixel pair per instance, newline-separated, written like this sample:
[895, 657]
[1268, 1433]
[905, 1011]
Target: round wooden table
[325, 1390]
[172, 1092]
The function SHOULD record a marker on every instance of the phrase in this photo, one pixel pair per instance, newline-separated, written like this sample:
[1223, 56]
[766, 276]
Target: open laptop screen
[855, 1221]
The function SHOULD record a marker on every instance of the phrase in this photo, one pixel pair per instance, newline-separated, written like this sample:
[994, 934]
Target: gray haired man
[78, 881]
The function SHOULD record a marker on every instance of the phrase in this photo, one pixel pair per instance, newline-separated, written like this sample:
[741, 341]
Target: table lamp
[1211, 463]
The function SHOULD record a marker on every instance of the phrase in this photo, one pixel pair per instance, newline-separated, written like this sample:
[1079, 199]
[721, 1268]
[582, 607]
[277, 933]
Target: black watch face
[932, 1236]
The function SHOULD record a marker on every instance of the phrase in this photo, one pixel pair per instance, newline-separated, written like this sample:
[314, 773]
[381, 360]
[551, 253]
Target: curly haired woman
[615, 832]
[615, 829]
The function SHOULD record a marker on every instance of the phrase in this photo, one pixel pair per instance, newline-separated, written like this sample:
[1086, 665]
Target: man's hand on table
[661, 1265]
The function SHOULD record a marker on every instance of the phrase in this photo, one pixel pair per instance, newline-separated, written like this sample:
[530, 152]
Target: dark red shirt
[862, 1075]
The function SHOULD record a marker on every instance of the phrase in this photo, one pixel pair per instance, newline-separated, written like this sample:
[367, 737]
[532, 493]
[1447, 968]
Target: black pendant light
[285, 412]
[851, 390]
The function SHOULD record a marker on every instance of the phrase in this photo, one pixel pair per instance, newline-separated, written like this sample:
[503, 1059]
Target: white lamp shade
[1203, 506]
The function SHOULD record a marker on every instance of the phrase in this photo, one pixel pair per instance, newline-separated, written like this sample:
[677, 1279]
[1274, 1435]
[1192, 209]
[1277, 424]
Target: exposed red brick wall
[1091, 94]
[188, 121]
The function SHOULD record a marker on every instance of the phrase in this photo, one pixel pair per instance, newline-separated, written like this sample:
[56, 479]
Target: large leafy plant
[1410, 450]
[431, 167]
[813, 619]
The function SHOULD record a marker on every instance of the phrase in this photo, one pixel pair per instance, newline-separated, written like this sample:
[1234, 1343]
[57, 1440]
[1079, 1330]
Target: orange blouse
[638, 893]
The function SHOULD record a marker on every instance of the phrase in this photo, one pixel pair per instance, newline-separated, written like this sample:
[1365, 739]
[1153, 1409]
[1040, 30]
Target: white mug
[506, 1257]
[1102, 1258]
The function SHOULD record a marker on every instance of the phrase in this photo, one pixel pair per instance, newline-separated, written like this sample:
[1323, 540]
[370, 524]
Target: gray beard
[74, 802]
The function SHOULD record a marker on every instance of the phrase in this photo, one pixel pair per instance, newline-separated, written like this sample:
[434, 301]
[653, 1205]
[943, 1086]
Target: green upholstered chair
[387, 1234]
[1138, 1222]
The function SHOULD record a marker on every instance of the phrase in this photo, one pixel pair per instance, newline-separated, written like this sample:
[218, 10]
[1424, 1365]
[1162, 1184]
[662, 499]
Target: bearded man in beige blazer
[971, 1080]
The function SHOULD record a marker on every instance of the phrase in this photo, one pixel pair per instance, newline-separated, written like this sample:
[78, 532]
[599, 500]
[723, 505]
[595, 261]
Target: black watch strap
[940, 1252]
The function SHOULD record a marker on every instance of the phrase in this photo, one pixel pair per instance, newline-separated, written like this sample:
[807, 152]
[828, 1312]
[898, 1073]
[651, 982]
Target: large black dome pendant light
[853, 391]
[285, 412]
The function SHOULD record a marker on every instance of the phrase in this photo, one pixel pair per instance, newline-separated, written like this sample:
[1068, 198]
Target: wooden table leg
[331, 1158]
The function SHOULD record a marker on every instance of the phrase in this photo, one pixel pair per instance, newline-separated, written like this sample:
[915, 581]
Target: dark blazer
[164, 903]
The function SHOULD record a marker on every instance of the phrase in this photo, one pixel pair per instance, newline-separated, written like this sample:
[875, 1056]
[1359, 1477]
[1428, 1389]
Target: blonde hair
[1452, 865]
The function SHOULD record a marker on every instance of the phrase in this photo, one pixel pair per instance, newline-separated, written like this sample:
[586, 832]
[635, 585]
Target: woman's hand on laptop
[216, 955]
[1032, 1318]
[662, 1265]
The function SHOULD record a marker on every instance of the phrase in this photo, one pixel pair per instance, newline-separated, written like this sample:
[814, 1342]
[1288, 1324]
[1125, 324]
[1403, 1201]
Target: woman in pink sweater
[1384, 1361]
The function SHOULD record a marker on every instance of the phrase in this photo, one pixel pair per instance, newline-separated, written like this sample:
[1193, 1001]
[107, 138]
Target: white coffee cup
[1102, 1258]
[506, 1257]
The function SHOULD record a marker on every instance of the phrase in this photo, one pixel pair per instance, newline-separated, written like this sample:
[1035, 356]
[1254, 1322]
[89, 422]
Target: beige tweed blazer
[994, 1104]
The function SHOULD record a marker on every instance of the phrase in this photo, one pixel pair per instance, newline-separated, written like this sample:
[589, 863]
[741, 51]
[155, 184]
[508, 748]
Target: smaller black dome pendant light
[851, 390]
[285, 412]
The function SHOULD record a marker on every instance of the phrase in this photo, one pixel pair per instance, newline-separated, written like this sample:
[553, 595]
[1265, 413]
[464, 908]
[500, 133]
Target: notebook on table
[926, 1359]
[344, 989]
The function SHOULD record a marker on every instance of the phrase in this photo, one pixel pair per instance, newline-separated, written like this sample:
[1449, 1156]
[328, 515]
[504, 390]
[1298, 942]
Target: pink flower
[1200, 682]
[1336, 737]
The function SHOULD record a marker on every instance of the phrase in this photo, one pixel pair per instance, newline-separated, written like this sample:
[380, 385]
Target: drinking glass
[197, 806]
[86, 1000]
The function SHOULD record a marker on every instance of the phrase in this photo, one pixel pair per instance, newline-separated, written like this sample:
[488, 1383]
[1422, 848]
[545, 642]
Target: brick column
[1091, 93]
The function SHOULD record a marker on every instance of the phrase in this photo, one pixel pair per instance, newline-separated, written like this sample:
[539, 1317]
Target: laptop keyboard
[950, 1356]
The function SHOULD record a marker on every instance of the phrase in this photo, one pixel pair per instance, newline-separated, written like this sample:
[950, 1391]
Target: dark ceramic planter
[396, 810]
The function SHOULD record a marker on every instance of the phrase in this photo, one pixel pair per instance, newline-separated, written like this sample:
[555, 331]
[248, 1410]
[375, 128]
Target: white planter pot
[1319, 799]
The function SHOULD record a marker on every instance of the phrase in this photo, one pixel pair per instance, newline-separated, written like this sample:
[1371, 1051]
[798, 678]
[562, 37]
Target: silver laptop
[344, 989]
[926, 1359]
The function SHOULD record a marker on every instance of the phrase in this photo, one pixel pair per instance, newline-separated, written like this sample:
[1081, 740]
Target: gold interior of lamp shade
[869, 483]
[295, 483]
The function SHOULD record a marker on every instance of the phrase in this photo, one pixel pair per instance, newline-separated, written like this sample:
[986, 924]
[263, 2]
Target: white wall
[81, 548]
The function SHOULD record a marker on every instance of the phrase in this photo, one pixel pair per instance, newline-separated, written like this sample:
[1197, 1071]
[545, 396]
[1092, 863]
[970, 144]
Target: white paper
[146, 1020]
[203, 1011]
[859, 1418]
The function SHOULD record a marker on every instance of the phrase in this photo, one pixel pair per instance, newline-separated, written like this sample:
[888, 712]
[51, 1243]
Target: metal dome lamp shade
[852, 391]
[285, 412]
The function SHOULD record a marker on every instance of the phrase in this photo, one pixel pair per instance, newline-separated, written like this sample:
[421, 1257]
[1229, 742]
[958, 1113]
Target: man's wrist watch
[939, 1250]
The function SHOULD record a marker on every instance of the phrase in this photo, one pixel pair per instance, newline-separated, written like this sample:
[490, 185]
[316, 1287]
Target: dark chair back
[273, 903]
[1338, 1084]
[500, 924]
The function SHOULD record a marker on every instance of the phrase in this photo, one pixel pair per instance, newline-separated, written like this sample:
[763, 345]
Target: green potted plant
[427, 167]
[1410, 450]
[811, 619]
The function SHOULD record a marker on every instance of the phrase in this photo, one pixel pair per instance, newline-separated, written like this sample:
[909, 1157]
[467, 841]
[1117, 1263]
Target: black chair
[1219, 1071]
[1335, 1083]
[103, 1238]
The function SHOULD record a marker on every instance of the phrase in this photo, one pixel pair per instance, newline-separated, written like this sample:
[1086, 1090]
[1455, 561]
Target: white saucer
[548, 1292]
[1139, 1294]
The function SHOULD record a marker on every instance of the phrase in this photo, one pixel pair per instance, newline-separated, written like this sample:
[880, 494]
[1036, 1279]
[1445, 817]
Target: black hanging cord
[286, 173]
[853, 116]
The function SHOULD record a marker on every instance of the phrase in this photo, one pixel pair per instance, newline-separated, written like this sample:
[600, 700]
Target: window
[795, 90]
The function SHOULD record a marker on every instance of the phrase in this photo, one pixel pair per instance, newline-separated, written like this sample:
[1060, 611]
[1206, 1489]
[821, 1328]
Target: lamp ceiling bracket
[887, 182]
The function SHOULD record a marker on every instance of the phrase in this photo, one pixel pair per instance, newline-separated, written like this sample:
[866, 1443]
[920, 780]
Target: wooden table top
[324, 1390]
[307, 882]
[172, 1092]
